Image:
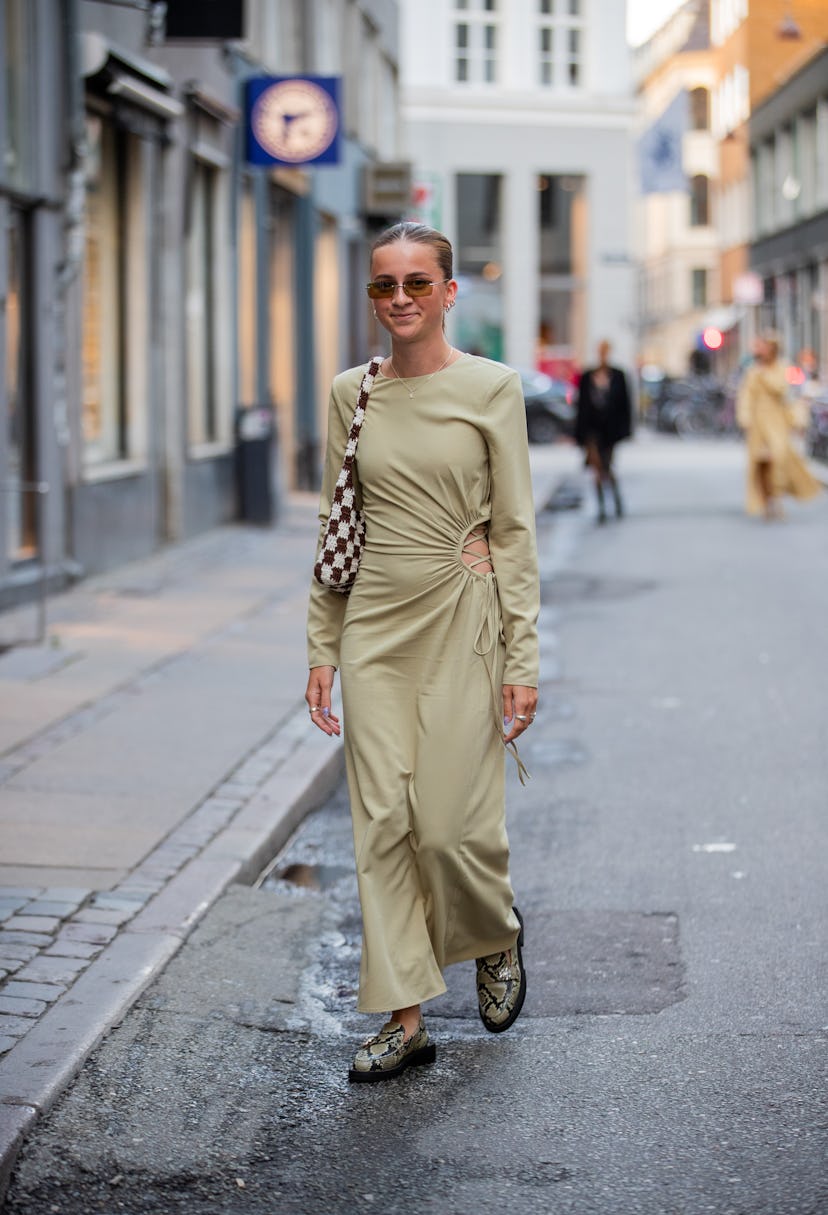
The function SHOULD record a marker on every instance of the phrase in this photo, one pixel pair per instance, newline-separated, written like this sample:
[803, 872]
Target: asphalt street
[669, 858]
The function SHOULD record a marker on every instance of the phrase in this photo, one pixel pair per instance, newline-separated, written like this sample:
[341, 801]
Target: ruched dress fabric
[424, 643]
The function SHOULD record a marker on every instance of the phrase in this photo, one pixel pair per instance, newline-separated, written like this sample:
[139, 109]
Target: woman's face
[409, 319]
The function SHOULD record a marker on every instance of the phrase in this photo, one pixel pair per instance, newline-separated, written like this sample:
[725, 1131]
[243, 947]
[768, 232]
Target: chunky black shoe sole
[417, 1058]
[521, 996]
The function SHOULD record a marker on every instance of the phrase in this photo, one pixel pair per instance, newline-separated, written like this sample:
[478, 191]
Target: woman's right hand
[318, 697]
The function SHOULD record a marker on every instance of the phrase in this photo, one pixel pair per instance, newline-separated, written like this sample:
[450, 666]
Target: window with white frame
[725, 17]
[369, 85]
[387, 110]
[731, 101]
[203, 341]
[476, 41]
[821, 162]
[18, 150]
[699, 201]
[807, 162]
[114, 292]
[560, 43]
[698, 287]
[330, 32]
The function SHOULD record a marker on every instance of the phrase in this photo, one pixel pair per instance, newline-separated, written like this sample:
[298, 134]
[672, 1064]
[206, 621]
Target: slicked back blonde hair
[419, 234]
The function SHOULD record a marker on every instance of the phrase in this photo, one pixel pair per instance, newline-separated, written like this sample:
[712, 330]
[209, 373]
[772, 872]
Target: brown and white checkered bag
[339, 553]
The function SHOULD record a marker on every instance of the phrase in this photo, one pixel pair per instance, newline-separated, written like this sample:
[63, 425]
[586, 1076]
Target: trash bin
[255, 433]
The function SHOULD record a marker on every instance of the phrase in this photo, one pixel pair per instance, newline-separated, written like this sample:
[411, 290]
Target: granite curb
[39, 1067]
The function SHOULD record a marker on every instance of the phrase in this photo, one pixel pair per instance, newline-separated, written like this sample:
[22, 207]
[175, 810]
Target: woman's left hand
[519, 705]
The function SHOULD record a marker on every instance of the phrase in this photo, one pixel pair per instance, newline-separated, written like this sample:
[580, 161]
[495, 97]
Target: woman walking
[764, 413]
[437, 651]
[604, 418]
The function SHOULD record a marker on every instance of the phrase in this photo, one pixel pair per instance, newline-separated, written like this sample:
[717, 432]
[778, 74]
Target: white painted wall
[519, 129]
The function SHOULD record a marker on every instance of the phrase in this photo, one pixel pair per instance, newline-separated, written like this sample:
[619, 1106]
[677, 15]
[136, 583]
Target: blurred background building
[163, 300]
[517, 122]
[154, 284]
[737, 239]
[676, 239]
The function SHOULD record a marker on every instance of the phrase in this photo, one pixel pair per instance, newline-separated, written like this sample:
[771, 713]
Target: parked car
[550, 407]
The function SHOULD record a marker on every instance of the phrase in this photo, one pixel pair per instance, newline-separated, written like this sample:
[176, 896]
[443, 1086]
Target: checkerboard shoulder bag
[340, 550]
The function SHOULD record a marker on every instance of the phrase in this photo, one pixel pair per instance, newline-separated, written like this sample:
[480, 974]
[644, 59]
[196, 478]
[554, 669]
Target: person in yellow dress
[437, 651]
[765, 413]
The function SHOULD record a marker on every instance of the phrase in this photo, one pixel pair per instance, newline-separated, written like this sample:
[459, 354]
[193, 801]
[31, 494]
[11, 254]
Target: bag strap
[359, 413]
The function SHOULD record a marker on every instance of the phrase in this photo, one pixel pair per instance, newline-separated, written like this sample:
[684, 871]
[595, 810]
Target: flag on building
[660, 149]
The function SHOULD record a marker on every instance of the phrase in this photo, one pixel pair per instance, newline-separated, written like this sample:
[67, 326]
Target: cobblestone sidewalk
[49, 935]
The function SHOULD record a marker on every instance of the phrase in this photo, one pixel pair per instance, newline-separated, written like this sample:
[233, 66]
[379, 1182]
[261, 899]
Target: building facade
[758, 44]
[154, 284]
[517, 123]
[789, 214]
[676, 241]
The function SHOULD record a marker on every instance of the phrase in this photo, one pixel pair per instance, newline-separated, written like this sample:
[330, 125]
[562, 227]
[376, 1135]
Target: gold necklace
[411, 391]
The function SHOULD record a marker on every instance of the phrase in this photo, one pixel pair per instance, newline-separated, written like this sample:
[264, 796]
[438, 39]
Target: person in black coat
[604, 418]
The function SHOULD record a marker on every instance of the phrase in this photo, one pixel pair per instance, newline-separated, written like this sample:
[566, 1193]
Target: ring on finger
[315, 709]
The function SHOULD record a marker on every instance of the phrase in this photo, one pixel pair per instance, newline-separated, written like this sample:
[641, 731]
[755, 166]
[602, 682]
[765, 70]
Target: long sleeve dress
[424, 643]
[763, 412]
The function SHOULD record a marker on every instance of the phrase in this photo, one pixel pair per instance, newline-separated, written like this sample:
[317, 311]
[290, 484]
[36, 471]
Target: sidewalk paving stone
[34, 991]
[71, 949]
[52, 907]
[14, 1026]
[12, 937]
[119, 902]
[92, 934]
[9, 965]
[69, 894]
[142, 891]
[21, 953]
[18, 1006]
[31, 923]
[105, 915]
[53, 970]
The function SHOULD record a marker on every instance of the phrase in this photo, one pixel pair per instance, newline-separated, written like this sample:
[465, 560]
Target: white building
[517, 118]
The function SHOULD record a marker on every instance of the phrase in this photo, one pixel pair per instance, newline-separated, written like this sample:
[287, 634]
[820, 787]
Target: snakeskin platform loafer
[388, 1054]
[501, 986]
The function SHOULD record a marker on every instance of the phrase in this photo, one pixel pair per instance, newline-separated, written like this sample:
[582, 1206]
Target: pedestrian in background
[437, 650]
[604, 418]
[765, 413]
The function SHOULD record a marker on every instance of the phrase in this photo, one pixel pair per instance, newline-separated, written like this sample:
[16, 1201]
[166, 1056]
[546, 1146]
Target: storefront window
[562, 224]
[18, 142]
[102, 413]
[479, 263]
[247, 296]
[116, 301]
[19, 500]
[202, 336]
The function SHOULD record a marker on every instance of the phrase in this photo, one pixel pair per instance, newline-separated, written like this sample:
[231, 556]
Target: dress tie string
[485, 640]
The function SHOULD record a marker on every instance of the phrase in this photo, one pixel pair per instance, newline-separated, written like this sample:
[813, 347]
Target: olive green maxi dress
[424, 643]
